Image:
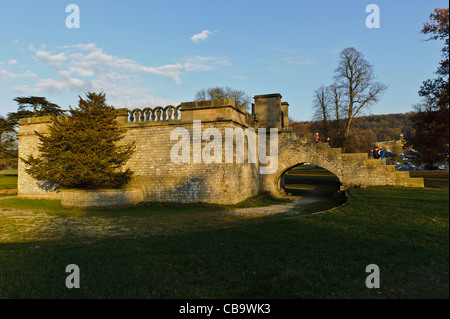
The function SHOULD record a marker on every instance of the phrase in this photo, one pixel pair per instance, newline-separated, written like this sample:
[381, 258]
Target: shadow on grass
[320, 256]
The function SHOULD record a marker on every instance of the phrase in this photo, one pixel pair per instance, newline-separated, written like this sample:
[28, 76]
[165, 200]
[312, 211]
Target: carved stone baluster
[136, 115]
[147, 111]
[177, 115]
[158, 113]
[169, 112]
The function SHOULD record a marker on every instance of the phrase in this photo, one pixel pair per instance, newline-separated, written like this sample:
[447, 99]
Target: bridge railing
[158, 113]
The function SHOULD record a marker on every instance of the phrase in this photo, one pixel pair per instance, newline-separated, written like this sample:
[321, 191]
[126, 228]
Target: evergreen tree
[33, 106]
[81, 150]
[8, 144]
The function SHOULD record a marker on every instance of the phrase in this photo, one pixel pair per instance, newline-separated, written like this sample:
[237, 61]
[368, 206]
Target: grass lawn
[433, 179]
[8, 179]
[405, 231]
[309, 174]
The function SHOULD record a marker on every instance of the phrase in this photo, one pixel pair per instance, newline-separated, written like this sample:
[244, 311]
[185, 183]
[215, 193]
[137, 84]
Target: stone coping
[267, 96]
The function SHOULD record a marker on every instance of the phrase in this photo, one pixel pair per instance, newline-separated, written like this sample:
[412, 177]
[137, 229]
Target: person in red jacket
[317, 138]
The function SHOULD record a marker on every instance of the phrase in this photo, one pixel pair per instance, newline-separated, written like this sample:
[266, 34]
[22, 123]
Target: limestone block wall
[101, 199]
[28, 143]
[164, 180]
[159, 178]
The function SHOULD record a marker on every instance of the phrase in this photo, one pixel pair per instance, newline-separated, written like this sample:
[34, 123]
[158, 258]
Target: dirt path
[27, 225]
[287, 209]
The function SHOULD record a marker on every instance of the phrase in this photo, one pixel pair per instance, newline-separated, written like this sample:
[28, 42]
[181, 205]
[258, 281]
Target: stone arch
[293, 156]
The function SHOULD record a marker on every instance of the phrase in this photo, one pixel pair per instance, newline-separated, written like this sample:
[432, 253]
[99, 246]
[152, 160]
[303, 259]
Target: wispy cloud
[289, 58]
[8, 75]
[47, 58]
[202, 36]
[86, 67]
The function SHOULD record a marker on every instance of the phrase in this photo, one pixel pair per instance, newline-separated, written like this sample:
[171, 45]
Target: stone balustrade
[158, 113]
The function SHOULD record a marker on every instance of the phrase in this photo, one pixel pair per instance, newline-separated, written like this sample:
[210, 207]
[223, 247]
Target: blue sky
[149, 53]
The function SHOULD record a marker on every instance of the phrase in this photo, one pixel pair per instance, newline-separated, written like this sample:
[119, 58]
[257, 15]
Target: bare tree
[215, 93]
[336, 112]
[321, 107]
[354, 76]
[328, 110]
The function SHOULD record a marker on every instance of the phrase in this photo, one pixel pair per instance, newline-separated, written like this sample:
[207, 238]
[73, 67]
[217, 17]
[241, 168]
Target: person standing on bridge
[317, 138]
[375, 153]
[383, 155]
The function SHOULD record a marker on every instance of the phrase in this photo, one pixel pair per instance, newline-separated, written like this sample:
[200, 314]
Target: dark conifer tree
[82, 150]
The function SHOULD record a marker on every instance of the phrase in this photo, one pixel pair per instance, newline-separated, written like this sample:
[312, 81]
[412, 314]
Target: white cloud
[50, 85]
[46, 58]
[85, 67]
[240, 77]
[12, 61]
[96, 61]
[201, 36]
[81, 46]
[23, 89]
[6, 75]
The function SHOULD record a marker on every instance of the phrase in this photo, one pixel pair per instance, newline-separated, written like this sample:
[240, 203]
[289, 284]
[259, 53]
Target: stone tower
[270, 112]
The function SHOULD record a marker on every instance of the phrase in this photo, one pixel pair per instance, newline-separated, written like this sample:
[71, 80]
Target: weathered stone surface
[101, 199]
[158, 178]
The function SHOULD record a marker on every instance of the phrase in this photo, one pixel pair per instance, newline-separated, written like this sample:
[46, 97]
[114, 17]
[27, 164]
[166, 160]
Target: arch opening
[305, 179]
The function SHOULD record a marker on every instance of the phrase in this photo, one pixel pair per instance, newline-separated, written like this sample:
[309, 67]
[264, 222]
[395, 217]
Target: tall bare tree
[321, 106]
[354, 76]
[328, 110]
[337, 113]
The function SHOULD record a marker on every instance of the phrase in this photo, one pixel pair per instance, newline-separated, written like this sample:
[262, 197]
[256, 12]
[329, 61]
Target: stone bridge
[158, 178]
[352, 169]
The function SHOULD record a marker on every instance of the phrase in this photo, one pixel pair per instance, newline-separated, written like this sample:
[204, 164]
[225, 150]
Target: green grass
[9, 171]
[433, 179]
[402, 230]
[310, 174]
[198, 253]
[8, 178]
[8, 181]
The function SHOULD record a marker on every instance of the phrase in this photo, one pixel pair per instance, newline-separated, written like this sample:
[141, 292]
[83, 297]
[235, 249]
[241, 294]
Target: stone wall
[28, 145]
[160, 179]
[163, 180]
[101, 199]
